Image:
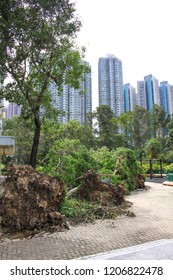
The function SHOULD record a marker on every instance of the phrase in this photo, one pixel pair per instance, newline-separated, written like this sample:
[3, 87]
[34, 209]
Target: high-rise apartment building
[148, 92]
[73, 104]
[171, 100]
[166, 97]
[130, 97]
[110, 82]
[141, 96]
[12, 110]
[152, 91]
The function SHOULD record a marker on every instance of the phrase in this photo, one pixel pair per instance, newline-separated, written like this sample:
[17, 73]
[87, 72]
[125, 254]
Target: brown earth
[30, 200]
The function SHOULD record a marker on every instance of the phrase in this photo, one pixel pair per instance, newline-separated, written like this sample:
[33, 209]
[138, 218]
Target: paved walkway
[153, 221]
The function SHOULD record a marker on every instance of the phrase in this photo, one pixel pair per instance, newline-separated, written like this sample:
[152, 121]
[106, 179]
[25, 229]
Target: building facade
[151, 86]
[12, 110]
[141, 95]
[71, 103]
[110, 83]
[166, 97]
[130, 97]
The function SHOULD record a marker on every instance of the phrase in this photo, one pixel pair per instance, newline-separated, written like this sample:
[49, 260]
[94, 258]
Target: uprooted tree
[30, 200]
[37, 47]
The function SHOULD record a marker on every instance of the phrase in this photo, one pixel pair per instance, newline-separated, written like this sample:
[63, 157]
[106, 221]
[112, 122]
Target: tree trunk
[35, 144]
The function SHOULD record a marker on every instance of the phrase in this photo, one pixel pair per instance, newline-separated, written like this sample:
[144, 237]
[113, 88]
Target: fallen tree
[93, 189]
[30, 200]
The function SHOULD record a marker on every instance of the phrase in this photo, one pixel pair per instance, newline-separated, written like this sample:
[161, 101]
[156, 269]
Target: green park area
[73, 171]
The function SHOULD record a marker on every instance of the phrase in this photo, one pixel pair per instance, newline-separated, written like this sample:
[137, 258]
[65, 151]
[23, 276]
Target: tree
[158, 121]
[124, 122]
[37, 47]
[140, 127]
[106, 127]
[73, 130]
[68, 159]
[153, 148]
[22, 130]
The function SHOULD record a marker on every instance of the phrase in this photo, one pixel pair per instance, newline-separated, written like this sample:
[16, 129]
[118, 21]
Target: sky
[138, 32]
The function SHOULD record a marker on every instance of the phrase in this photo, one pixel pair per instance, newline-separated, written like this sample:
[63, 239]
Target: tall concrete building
[12, 110]
[166, 97]
[110, 82]
[148, 92]
[71, 103]
[141, 96]
[130, 97]
[152, 91]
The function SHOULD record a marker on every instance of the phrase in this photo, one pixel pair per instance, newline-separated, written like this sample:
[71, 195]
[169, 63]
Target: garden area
[72, 171]
[81, 174]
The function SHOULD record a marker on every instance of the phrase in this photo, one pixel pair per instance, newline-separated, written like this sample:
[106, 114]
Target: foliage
[104, 158]
[155, 167]
[49, 134]
[140, 127]
[127, 167]
[152, 148]
[168, 168]
[121, 162]
[37, 47]
[168, 156]
[169, 139]
[83, 211]
[73, 207]
[158, 121]
[68, 159]
[23, 131]
[124, 122]
[73, 130]
[105, 127]
[134, 127]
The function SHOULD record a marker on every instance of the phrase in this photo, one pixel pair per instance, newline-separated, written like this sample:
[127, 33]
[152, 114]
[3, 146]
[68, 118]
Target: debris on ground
[29, 201]
[139, 181]
[94, 189]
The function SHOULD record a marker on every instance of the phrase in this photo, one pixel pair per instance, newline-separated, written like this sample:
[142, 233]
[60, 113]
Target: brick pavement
[153, 221]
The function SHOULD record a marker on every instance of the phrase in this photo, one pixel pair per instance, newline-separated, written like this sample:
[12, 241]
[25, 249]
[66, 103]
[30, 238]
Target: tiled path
[153, 221]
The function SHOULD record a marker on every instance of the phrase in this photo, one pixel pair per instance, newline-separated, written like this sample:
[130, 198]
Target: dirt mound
[30, 200]
[93, 189]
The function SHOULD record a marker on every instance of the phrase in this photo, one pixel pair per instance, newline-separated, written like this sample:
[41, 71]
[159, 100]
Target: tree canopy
[37, 47]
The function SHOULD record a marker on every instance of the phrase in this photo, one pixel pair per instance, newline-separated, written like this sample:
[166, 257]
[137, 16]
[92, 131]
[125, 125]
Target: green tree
[127, 167]
[140, 127]
[73, 130]
[169, 137]
[105, 127]
[153, 148]
[124, 122]
[68, 159]
[37, 47]
[158, 121]
[23, 131]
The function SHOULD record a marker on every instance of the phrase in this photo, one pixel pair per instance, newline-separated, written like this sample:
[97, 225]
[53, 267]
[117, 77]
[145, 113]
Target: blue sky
[139, 32]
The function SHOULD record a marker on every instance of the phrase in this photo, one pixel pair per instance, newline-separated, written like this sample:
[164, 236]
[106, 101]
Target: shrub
[68, 160]
[127, 167]
[75, 208]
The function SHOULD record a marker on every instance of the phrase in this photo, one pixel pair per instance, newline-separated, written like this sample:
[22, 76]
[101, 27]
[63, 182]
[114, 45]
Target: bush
[122, 161]
[68, 160]
[127, 167]
[75, 208]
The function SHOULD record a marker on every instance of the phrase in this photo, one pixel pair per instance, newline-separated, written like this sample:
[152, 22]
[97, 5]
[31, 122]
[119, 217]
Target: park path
[153, 221]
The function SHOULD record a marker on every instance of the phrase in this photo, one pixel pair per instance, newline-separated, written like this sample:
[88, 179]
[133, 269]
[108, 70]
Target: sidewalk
[154, 221]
